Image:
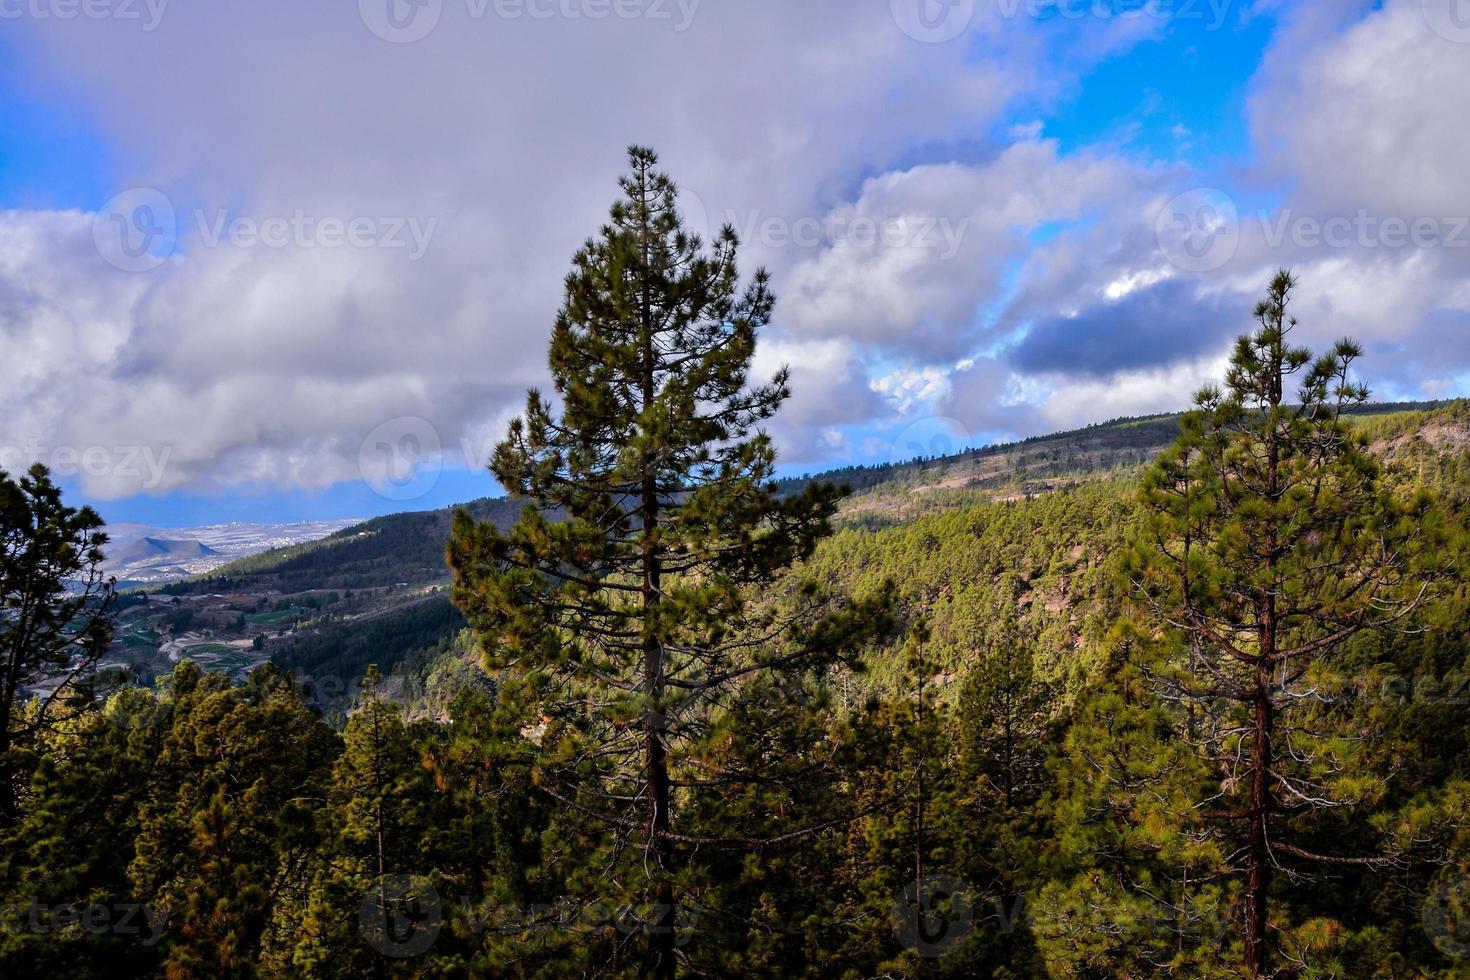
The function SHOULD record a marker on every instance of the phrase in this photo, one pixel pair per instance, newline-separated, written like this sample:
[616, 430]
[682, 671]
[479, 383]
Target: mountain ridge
[876, 488]
[1050, 509]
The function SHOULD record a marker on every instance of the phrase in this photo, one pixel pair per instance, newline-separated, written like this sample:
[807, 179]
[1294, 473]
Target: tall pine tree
[1271, 543]
[620, 607]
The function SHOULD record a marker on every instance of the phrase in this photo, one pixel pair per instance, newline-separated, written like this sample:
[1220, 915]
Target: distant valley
[140, 555]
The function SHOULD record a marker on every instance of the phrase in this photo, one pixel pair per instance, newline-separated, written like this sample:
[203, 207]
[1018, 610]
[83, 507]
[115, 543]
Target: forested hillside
[401, 548]
[1012, 527]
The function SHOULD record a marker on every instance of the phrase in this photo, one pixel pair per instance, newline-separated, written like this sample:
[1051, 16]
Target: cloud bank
[362, 228]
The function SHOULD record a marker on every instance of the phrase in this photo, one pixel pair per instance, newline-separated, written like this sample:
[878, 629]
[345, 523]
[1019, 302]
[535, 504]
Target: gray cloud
[1155, 325]
[974, 399]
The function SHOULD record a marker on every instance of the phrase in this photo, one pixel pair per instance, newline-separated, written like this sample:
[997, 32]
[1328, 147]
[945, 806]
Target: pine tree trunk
[661, 936]
[9, 805]
[1258, 860]
[1258, 857]
[661, 930]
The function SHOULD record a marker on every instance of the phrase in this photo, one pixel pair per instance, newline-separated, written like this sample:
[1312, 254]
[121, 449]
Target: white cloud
[829, 387]
[918, 296]
[270, 365]
[1073, 402]
[1364, 116]
[1369, 115]
[1354, 113]
[909, 386]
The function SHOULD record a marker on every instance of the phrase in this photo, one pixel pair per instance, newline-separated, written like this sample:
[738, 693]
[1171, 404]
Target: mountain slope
[140, 556]
[152, 549]
[1029, 525]
[399, 550]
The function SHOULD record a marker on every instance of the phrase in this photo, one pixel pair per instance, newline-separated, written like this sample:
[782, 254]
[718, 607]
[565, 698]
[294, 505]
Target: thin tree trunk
[14, 663]
[1258, 858]
[661, 940]
[8, 808]
[378, 781]
[919, 813]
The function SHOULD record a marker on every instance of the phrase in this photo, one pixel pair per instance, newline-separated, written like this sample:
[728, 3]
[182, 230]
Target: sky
[278, 261]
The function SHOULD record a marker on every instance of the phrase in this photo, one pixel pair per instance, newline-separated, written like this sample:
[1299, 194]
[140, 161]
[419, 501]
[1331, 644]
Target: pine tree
[485, 838]
[68, 858]
[361, 914]
[230, 820]
[1272, 542]
[897, 911]
[1004, 725]
[620, 605]
[54, 617]
[1134, 888]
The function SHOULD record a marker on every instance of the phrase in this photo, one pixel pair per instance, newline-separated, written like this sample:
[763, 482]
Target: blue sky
[1190, 76]
[1081, 204]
